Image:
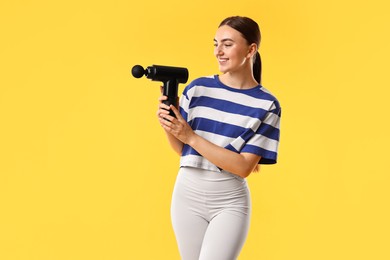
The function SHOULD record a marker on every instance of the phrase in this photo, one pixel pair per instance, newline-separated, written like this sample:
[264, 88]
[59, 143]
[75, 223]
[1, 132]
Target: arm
[175, 143]
[241, 164]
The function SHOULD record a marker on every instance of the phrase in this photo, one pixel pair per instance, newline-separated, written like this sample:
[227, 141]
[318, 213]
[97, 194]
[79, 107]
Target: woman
[227, 125]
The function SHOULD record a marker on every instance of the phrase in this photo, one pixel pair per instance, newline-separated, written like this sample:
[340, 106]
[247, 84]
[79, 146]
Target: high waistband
[207, 180]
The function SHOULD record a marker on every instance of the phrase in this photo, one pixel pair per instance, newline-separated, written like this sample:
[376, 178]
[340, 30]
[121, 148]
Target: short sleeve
[265, 142]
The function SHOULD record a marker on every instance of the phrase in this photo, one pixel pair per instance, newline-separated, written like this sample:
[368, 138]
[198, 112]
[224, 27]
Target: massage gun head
[161, 73]
[138, 71]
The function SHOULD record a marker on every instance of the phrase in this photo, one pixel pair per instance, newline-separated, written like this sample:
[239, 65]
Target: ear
[252, 50]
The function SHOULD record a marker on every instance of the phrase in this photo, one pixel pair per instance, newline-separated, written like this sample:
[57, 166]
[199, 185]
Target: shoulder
[267, 95]
[264, 93]
[206, 81]
[203, 81]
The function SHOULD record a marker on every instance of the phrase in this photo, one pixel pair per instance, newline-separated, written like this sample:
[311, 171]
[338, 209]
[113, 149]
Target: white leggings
[210, 214]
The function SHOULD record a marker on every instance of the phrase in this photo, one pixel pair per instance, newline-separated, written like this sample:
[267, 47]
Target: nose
[217, 51]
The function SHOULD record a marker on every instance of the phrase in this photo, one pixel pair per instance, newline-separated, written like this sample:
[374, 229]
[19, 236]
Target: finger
[163, 106]
[161, 112]
[175, 111]
[162, 98]
[163, 125]
[168, 117]
[162, 109]
[168, 129]
[166, 124]
[163, 122]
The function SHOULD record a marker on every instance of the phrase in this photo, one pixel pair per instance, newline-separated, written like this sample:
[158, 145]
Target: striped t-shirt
[241, 120]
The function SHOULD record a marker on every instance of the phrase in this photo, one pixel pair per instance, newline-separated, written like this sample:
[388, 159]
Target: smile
[223, 59]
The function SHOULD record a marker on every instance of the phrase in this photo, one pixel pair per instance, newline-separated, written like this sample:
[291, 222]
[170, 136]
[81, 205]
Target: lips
[222, 60]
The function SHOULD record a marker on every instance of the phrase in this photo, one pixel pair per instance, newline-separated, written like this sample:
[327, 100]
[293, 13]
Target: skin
[235, 60]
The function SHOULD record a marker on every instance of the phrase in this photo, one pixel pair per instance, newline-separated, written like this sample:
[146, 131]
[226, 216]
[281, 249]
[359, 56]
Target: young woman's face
[232, 50]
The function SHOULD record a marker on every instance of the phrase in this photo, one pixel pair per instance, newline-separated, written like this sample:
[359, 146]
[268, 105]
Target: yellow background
[86, 172]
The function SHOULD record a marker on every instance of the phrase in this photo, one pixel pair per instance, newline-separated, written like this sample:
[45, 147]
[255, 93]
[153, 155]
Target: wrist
[191, 140]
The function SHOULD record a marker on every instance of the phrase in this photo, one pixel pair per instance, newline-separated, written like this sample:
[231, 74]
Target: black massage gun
[170, 76]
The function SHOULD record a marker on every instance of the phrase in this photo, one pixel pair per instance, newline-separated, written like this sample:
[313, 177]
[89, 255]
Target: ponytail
[257, 68]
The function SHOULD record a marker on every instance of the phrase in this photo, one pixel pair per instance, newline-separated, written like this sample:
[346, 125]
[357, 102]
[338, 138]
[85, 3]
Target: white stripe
[257, 140]
[266, 90]
[184, 103]
[264, 142]
[197, 161]
[235, 97]
[224, 117]
[272, 120]
[238, 143]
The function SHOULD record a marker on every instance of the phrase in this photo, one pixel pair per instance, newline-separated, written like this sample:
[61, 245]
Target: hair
[251, 32]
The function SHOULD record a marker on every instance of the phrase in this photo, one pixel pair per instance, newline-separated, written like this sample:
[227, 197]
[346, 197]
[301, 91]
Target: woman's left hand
[178, 127]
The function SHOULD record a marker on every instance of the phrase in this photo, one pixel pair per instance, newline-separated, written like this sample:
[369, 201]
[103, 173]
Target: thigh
[188, 223]
[189, 232]
[225, 236]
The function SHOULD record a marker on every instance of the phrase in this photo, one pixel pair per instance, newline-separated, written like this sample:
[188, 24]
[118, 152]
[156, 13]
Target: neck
[239, 80]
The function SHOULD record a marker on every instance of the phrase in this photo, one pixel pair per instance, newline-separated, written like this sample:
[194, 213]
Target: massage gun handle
[171, 101]
[170, 89]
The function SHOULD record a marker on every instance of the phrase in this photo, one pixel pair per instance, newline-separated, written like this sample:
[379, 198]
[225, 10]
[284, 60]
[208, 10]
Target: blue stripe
[188, 150]
[231, 148]
[269, 131]
[267, 157]
[248, 134]
[228, 106]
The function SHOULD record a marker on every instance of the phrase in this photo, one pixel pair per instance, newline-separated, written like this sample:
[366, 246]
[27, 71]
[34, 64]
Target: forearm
[175, 143]
[236, 163]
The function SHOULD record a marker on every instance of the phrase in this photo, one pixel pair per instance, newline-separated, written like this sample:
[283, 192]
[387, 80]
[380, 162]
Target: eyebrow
[224, 40]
